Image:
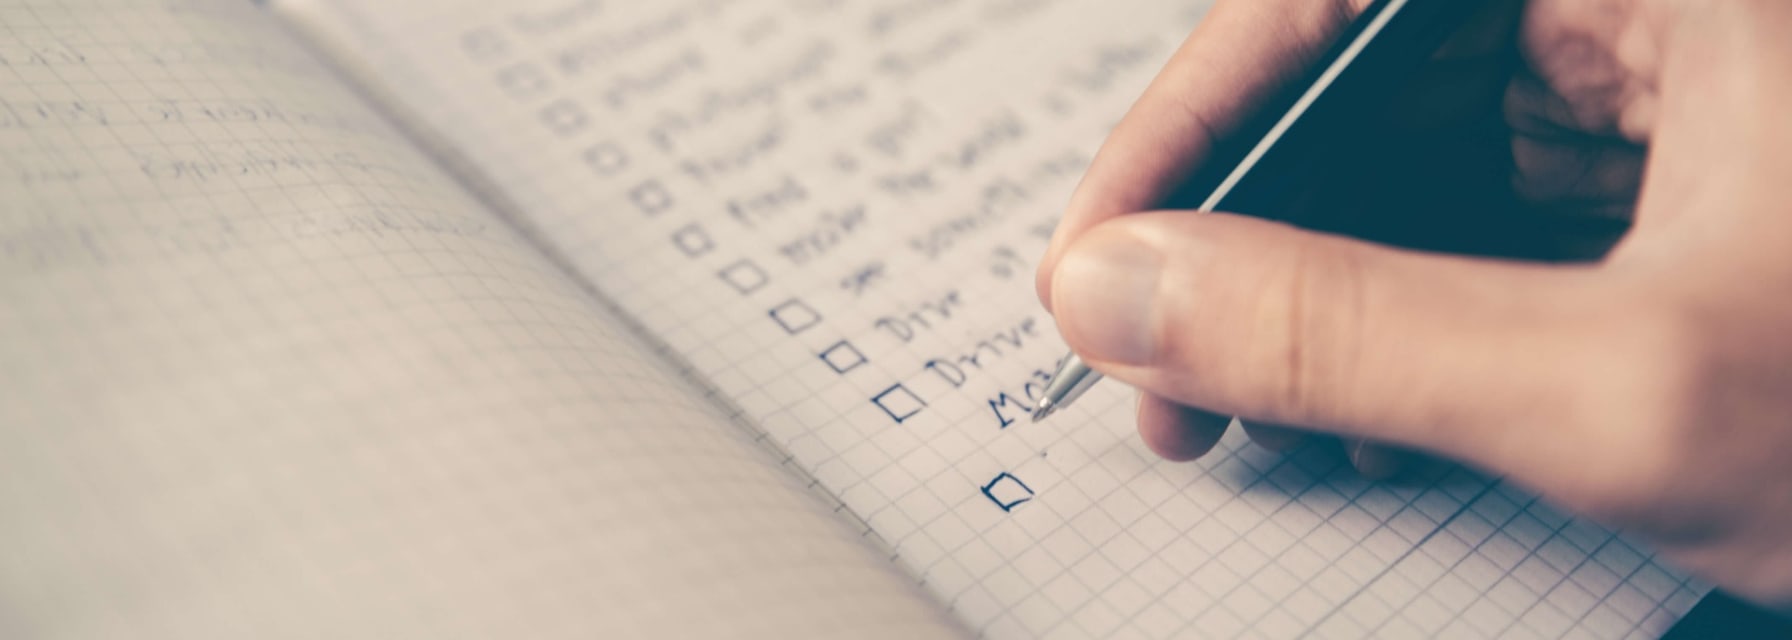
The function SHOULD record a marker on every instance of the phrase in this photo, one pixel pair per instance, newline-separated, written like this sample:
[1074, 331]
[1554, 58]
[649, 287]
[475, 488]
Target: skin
[1641, 377]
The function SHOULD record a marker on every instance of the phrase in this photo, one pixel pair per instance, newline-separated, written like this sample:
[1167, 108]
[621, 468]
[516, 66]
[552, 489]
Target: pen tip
[1046, 407]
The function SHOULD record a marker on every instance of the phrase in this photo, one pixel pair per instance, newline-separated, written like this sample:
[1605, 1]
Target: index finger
[1240, 54]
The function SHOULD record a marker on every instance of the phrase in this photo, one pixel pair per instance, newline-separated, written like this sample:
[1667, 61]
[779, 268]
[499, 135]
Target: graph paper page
[265, 373]
[829, 209]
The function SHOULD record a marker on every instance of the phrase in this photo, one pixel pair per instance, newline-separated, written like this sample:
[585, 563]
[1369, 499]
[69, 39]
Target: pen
[1249, 172]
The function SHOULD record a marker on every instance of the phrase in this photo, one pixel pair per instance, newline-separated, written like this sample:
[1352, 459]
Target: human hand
[1651, 389]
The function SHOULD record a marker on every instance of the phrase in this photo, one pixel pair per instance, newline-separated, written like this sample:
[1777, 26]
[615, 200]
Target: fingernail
[1374, 462]
[1102, 296]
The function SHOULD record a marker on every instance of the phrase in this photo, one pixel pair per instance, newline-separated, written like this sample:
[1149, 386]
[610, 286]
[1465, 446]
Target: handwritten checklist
[830, 208]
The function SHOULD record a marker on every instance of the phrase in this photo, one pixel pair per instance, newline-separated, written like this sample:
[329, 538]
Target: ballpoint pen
[1251, 171]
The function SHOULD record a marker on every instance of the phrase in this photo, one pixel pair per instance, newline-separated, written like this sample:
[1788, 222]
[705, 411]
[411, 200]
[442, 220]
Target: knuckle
[1309, 317]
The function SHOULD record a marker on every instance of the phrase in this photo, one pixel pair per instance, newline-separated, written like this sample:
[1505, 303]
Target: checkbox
[795, 316]
[522, 80]
[842, 357]
[650, 197]
[564, 117]
[898, 402]
[1007, 491]
[606, 158]
[693, 240]
[744, 276]
[483, 44]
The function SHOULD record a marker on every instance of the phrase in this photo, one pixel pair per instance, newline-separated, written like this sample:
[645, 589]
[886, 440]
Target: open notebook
[604, 318]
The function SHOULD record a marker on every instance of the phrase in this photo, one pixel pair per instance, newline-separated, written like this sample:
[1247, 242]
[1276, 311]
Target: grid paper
[266, 372]
[828, 209]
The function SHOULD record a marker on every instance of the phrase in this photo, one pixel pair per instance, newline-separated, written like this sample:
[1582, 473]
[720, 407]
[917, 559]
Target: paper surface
[265, 372]
[829, 209]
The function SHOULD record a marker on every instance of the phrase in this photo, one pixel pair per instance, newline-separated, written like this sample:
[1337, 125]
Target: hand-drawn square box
[606, 158]
[795, 316]
[564, 117]
[484, 44]
[842, 357]
[650, 197]
[522, 80]
[1007, 491]
[693, 240]
[898, 402]
[744, 276]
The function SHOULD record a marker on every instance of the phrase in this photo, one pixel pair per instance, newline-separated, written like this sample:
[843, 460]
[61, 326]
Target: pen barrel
[1266, 166]
[1070, 381]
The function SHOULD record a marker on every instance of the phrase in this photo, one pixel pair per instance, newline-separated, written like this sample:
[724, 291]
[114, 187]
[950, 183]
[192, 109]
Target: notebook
[590, 318]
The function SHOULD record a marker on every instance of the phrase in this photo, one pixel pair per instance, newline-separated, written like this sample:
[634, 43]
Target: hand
[1651, 388]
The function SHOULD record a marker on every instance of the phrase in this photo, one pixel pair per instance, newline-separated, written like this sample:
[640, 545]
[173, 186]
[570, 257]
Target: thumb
[1465, 357]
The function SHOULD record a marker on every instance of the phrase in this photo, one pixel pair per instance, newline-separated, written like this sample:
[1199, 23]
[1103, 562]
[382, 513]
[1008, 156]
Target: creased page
[266, 373]
[829, 209]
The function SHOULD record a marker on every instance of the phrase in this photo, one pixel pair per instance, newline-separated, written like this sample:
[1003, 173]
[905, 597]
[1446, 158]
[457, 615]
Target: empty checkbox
[1007, 491]
[564, 118]
[795, 316]
[693, 240]
[898, 402]
[606, 158]
[650, 197]
[744, 276]
[522, 80]
[842, 357]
